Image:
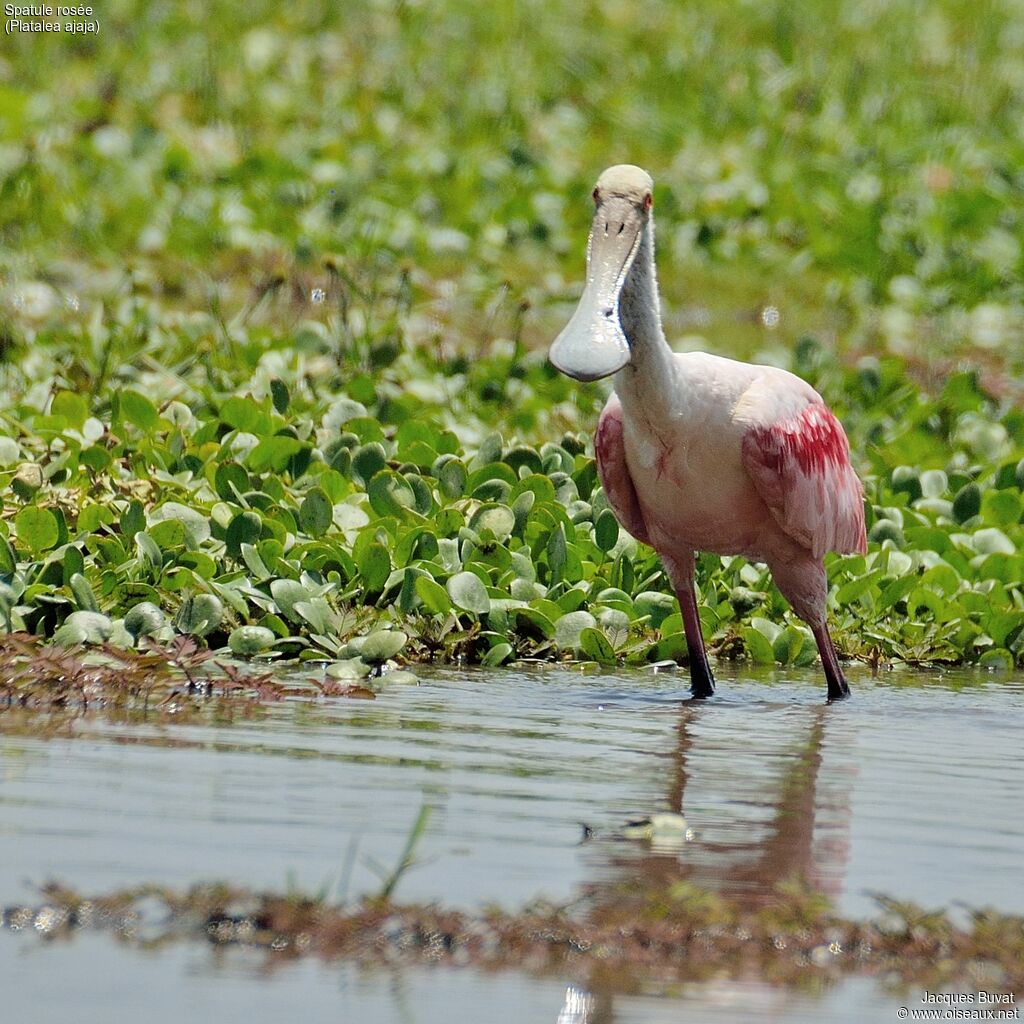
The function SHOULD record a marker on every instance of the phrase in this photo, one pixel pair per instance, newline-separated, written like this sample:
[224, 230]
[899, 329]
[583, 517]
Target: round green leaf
[342, 410]
[934, 483]
[96, 627]
[144, 619]
[70, 407]
[521, 506]
[886, 529]
[133, 519]
[316, 612]
[424, 497]
[316, 513]
[137, 409]
[374, 566]
[196, 525]
[368, 460]
[497, 655]
[858, 586]
[451, 476]
[249, 640]
[243, 412]
[523, 456]
[905, 480]
[245, 528]
[557, 551]
[83, 593]
[382, 644]
[468, 593]
[606, 530]
[1001, 508]
[998, 659]
[280, 395]
[967, 503]
[350, 669]
[287, 594]
[991, 541]
[654, 604]
[96, 458]
[759, 647]
[199, 615]
[594, 644]
[273, 453]
[489, 451]
[230, 480]
[499, 519]
[390, 494]
[532, 622]
[569, 629]
[36, 528]
[433, 595]
[787, 645]
[168, 535]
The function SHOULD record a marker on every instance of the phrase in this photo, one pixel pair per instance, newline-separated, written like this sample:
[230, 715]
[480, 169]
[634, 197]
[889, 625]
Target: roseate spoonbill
[701, 453]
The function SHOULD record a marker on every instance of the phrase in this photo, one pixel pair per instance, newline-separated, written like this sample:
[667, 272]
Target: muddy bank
[681, 933]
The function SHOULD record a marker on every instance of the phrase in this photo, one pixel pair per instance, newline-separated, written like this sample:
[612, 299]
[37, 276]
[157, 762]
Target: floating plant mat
[678, 932]
[37, 676]
[289, 526]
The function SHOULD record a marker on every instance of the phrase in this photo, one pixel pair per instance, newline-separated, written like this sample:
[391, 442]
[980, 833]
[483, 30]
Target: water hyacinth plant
[297, 521]
[272, 331]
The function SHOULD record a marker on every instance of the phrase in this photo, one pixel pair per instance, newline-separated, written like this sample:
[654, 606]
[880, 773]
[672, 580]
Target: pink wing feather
[610, 451]
[801, 468]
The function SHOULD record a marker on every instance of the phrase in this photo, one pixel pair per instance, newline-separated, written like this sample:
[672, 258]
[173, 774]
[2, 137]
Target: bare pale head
[593, 345]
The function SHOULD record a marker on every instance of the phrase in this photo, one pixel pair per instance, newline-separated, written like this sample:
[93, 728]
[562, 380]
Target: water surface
[910, 789]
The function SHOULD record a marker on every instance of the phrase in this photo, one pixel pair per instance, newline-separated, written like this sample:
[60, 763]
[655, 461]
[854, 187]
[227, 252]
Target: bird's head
[592, 345]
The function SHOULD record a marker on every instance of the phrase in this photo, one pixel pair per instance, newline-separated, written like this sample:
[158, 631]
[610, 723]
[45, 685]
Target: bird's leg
[702, 682]
[838, 688]
[804, 585]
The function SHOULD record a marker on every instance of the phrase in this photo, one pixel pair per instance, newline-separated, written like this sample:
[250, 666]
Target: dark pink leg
[680, 572]
[838, 688]
[702, 682]
[804, 585]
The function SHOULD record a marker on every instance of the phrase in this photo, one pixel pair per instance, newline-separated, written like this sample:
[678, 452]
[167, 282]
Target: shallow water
[101, 982]
[910, 789]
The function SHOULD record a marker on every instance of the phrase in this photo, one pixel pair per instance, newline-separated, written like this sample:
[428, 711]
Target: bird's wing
[800, 465]
[610, 451]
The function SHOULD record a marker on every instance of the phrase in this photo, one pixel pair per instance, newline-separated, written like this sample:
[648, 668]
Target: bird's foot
[702, 681]
[838, 688]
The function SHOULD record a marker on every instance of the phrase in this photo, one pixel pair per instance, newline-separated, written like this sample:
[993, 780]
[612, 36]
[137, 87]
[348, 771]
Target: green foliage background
[277, 282]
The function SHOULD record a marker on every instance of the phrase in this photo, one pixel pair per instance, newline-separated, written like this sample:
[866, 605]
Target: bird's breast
[693, 489]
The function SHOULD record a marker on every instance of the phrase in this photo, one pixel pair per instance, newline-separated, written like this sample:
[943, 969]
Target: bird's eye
[648, 201]
[596, 194]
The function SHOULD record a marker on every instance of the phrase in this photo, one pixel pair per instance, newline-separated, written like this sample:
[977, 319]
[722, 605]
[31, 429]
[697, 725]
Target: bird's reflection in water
[765, 810]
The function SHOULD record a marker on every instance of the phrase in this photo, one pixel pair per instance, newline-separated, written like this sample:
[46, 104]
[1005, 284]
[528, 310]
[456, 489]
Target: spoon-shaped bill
[592, 344]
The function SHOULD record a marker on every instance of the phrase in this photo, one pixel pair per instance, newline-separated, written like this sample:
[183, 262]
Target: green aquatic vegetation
[294, 528]
[862, 180]
[272, 321]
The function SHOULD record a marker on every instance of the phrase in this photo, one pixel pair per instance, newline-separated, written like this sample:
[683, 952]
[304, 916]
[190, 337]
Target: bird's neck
[647, 382]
